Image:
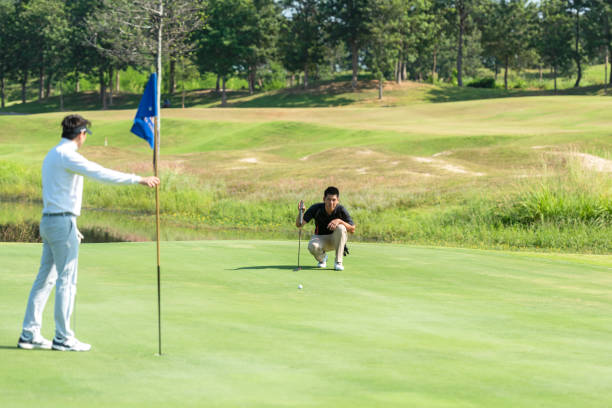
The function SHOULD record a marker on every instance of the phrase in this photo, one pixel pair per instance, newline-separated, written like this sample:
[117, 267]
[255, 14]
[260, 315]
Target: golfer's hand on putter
[151, 181]
[299, 222]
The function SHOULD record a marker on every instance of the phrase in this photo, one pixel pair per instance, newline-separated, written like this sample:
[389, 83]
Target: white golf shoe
[323, 263]
[338, 267]
[70, 345]
[38, 342]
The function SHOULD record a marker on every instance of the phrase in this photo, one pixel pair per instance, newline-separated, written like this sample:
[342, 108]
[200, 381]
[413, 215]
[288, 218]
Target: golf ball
[300, 286]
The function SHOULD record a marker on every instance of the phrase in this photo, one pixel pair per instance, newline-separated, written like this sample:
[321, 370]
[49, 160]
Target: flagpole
[155, 169]
[155, 165]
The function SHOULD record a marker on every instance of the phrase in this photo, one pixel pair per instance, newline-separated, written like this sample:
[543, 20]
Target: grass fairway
[402, 326]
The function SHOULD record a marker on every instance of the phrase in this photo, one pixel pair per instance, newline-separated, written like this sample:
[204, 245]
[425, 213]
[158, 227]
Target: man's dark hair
[72, 126]
[331, 191]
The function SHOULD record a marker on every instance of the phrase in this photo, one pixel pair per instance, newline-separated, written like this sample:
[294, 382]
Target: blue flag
[144, 126]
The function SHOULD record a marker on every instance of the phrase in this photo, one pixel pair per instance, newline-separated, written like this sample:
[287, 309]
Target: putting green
[401, 326]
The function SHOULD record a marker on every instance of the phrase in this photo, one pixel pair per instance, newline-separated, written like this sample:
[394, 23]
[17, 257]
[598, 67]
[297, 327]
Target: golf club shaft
[299, 246]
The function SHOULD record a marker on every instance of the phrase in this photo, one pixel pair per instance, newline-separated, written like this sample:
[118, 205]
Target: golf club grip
[301, 212]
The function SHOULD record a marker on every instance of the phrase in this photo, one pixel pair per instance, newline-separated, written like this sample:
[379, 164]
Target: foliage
[482, 83]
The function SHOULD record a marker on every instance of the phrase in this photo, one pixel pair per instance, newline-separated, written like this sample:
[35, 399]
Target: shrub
[482, 83]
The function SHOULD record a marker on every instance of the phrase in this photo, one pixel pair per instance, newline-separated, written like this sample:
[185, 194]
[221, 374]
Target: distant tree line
[49, 42]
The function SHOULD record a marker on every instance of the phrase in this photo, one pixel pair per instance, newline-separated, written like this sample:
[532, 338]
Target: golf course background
[402, 326]
[522, 172]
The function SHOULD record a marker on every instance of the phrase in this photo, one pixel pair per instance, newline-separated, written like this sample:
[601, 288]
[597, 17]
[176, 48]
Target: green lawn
[401, 326]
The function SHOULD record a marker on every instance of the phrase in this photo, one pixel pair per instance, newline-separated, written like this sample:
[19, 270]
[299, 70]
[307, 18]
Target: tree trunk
[460, 50]
[435, 61]
[117, 82]
[252, 79]
[540, 71]
[404, 72]
[506, 74]
[354, 52]
[578, 64]
[608, 51]
[223, 96]
[41, 83]
[172, 86]
[24, 82]
[555, 77]
[77, 81]
[110, 85]
[305, 76]
[182, 83]
[380, 86]
[606, 73]
[217, 87]
[61, 96]
[398, 68]
[48, 86]
[2, 94]
[102, 90]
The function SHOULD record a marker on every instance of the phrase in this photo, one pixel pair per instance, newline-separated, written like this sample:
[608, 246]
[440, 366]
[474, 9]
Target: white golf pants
[58, 267]
[319, 244]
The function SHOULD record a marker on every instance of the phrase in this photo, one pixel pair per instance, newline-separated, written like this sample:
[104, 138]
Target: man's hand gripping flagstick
[301, 221]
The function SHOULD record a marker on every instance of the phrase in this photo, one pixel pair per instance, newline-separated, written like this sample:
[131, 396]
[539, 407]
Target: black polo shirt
[317, 211]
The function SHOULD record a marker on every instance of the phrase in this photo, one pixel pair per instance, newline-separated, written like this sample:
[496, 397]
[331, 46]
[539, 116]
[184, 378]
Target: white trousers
[58, 267]
[333, 242]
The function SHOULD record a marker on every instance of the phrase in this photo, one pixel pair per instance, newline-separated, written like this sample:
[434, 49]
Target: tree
[460, 15]
[302, 39]
[598, 31]
[350, 21]
[385, 38]
[508, 30]
[263, 39]
[139, 32]
[7, 10]
[555, 36]
[223, 45]
[576, 8]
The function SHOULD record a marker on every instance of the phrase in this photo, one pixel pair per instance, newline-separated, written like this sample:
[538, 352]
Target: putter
[301, 219]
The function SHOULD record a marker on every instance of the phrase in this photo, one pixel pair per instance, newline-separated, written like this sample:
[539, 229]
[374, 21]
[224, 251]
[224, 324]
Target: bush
[482, 83]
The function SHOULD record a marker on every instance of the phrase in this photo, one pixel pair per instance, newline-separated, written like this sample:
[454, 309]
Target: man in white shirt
[62, 190]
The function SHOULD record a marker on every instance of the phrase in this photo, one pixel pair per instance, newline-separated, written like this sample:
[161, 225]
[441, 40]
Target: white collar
[73, 146]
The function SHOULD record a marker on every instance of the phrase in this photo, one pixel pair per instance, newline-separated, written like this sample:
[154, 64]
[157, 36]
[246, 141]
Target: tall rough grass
[571, 211]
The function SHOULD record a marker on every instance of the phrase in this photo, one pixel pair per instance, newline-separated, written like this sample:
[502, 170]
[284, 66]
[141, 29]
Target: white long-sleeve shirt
[62, 178]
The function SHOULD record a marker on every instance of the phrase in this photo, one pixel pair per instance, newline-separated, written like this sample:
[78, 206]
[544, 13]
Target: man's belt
[62, 214]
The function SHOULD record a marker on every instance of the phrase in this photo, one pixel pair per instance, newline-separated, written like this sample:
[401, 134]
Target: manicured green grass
[401, 326]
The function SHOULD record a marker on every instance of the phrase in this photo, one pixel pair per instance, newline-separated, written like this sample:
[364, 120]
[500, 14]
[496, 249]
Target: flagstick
[155, 169]
[157, 126]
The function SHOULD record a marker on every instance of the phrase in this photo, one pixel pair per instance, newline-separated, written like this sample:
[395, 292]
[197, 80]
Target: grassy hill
[511, 173]
[402, 326]
[335, 92]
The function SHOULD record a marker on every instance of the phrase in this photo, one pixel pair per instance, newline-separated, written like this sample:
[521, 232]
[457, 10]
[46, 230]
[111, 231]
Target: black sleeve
[310, 213]
[346, 217]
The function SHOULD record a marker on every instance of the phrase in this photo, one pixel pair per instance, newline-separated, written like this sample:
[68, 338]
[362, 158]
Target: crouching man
[332, 223]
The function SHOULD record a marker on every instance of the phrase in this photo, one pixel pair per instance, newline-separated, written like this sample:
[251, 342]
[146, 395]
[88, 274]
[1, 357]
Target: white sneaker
[338, 266]
[38, 342]
[323, 263]
[70, 345]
